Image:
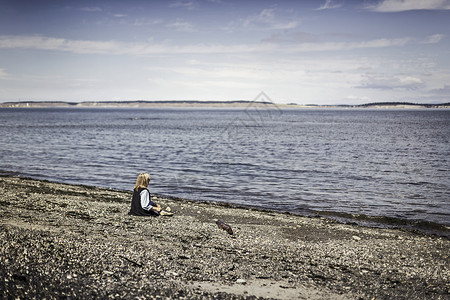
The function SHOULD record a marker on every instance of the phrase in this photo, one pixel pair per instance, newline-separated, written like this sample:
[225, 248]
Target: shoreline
[62, 240]
[424, 227]
[419, 227]
[232, 104]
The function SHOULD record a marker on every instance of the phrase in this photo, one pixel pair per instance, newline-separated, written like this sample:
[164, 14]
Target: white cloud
[283, 78]
[146, 22]
[268, 19]
[382, 43]
[444, 91]
[329, 4]
[180, 25]
[388, 82]
[3, 74]
[118, 48]
[224, 72]
[290, 37]
[91, 9]
[57, 44]
[339, 46]
[186, 4]
[298, 78]
[434, 39]
[406, 5]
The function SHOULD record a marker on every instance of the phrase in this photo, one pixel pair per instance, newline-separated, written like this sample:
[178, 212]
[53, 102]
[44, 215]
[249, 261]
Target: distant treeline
[179, 102]
[184, 101]
[203, 103]
[401, 103]
[375, 104]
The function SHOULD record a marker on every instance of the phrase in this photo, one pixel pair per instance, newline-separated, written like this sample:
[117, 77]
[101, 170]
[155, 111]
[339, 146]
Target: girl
[141, 203]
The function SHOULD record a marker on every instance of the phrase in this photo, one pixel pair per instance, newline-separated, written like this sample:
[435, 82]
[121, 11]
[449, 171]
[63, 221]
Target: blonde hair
[142, 181]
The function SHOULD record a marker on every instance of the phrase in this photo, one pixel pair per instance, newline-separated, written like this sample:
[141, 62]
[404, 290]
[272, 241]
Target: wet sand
[69, 241]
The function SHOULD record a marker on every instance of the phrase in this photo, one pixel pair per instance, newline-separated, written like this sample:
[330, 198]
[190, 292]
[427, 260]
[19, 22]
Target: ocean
[374, 167]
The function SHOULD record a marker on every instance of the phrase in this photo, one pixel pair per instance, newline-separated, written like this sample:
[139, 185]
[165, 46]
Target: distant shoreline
[209, 104]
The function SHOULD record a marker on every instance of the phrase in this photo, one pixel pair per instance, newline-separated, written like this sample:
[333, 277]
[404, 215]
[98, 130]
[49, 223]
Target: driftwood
[131, 261]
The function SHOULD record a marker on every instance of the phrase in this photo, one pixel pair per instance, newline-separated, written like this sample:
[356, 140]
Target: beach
[73, 241]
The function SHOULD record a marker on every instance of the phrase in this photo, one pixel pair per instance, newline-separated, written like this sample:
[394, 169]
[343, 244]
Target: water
[372, 166]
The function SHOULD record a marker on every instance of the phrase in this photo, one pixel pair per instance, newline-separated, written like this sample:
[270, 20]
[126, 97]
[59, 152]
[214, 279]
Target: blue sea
[373, 167]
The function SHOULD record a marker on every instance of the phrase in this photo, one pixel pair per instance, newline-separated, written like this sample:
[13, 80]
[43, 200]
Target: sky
[304, 52]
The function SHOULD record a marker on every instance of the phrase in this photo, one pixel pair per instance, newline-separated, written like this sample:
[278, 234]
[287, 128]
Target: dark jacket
[136, 208]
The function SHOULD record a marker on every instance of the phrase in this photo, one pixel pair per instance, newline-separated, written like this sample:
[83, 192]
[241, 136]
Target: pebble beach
[78, 242]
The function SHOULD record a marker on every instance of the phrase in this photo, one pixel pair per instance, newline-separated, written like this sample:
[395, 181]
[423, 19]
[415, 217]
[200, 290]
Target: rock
[356, 238]
[224, 226]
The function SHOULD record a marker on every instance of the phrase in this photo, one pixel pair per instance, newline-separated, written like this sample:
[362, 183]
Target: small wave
[415, 183]
[422, 226]
[8, 173]
[141, 118]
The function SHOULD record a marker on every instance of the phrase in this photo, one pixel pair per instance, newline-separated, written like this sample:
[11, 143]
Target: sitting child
[141, 203]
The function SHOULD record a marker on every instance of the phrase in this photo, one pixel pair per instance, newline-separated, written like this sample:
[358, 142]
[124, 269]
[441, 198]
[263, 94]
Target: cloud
[434, 39]
[407, 5]
[180, 25]
[387, 82]
[145, 22]
[268, 19]
[381, 43]
[149, 48]
[114, 47]
[3, 74]
[347, 46]
[330, 5]
[222, 72]
[186, 4]
[91, 9]
[290, 37]
[444, 91]
[57, 44]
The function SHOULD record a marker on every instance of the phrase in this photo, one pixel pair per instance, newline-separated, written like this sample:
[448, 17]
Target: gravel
[71, 241]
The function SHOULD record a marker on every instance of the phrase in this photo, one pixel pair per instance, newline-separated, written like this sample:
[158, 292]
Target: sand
[70, 241]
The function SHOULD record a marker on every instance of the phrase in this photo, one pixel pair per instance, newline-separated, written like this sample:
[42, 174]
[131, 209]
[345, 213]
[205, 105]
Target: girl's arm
[147, 203]
[157, 208]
